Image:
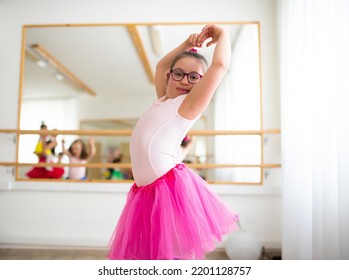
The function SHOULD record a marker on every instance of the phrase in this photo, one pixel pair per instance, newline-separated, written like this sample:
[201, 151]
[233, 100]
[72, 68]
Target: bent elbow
[222, 66]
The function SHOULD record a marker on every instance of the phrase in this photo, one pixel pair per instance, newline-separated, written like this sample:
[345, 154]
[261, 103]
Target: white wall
[84, 214]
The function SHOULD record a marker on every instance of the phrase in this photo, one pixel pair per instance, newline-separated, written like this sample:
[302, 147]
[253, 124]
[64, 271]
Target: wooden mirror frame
[206, 133]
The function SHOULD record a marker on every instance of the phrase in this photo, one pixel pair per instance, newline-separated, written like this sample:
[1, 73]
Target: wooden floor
[95, 254]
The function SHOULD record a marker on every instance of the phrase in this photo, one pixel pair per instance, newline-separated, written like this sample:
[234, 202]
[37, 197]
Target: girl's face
[187, 65]
[76, 149]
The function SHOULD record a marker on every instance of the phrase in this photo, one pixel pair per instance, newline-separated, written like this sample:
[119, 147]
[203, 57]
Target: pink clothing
[170, 211]
[175, 217]
[79, 172]
[155, 142]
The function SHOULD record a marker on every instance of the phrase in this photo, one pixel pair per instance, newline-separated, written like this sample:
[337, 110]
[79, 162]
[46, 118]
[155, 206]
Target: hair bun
[193, 50]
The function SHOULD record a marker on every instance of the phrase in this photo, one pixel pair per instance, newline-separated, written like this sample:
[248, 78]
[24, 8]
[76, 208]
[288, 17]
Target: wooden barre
[128, 132]
[128, 165]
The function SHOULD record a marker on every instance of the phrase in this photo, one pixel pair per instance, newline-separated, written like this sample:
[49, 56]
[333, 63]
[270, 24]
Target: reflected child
[78, 153]
[45, 150]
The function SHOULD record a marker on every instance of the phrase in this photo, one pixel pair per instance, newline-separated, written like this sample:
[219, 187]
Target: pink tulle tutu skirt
[175, 217]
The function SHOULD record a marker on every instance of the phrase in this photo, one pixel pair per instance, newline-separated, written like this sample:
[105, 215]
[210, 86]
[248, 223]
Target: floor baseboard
[100, 254]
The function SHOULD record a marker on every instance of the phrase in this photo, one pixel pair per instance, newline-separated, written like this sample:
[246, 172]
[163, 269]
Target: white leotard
[78, 172]
[155, 141]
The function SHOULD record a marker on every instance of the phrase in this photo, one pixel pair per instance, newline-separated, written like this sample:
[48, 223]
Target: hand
[195, 41]
[210, 31]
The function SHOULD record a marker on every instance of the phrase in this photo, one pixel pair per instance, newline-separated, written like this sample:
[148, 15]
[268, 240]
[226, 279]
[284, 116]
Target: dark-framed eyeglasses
[178, 75]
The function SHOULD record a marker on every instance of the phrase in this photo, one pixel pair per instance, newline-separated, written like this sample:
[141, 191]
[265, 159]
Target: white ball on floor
[242, 245]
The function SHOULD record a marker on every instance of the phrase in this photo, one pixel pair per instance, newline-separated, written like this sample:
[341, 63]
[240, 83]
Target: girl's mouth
[183, 90]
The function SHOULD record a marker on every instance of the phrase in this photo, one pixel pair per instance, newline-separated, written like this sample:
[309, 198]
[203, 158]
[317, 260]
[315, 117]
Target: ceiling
[105, 58]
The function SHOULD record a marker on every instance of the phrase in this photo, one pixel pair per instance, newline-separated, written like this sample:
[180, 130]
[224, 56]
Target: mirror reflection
[100, 77]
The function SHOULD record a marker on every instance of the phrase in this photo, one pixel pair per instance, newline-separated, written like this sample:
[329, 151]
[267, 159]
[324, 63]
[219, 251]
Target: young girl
[170, 212]
[78, 153]
[45, 151]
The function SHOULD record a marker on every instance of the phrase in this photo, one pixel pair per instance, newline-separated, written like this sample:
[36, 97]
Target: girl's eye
[194, 77]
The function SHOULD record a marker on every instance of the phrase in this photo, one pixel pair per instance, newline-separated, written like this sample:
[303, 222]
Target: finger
[207, 27]
[193, 39]
[199, 41]
[203, 34]
[210, 43]
[202, 38]
[190, 39]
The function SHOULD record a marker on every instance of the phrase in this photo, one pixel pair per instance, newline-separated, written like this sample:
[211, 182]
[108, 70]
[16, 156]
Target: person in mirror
[45, 144]
[170, 212]
[186, 146]
[45, 151]
[78, 153]
[113, 173]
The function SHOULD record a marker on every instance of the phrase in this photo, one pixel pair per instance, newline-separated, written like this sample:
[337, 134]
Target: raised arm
[163, 67]
[201, 94]
[49, 145]
[64, 150]
[92, 149]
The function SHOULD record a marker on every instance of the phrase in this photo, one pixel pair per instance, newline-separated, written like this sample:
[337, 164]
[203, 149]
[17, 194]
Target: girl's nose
[185, 80]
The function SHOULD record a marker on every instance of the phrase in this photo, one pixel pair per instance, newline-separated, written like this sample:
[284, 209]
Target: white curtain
[314, 43]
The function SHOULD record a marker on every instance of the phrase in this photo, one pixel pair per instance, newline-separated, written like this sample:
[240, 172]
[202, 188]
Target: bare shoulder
[200, 96]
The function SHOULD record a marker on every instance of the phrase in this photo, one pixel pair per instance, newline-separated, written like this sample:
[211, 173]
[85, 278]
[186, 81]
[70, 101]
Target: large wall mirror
[100, 77]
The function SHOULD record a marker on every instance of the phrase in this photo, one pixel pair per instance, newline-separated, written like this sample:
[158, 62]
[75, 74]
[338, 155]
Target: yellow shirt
[39, 149]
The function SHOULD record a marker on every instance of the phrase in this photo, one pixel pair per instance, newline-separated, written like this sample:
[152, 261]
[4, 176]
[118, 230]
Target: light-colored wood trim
[260, 78]
[128, 132]
[137, 42]
[124, 132]
[20, 94]
[135, 23]
[126, 181]
[234, 183]
[123, 122]
[62, 69]
[21, 76]
[77, 181]
[211, 132]
[226, 165]
[261, 100]
[8, 163]
[17, 165]
[128, 165]
[9, 131]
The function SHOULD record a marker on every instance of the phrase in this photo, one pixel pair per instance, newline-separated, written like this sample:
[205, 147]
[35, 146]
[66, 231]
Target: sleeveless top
[78, 172]
[155, 141]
